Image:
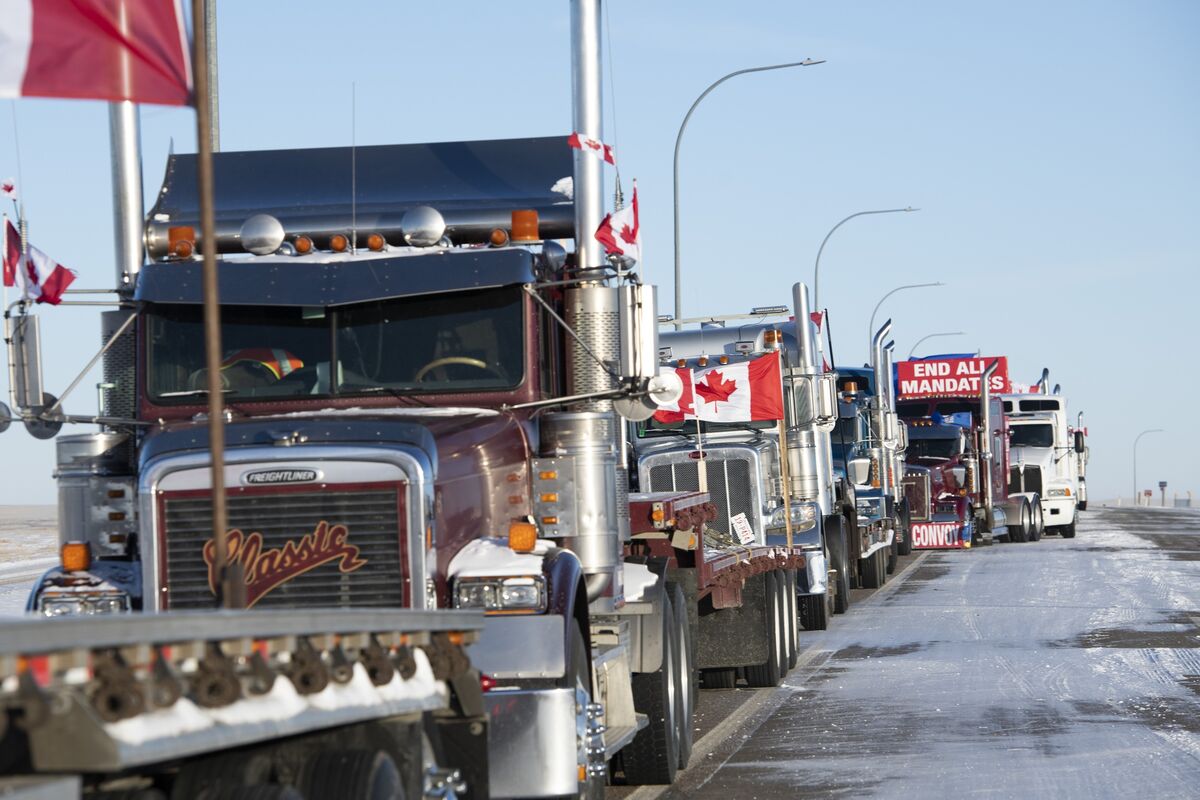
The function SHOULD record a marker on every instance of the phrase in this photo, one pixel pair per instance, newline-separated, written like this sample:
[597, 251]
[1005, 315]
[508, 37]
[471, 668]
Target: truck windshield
[1032, 436]
[463, 342]
[934, 448]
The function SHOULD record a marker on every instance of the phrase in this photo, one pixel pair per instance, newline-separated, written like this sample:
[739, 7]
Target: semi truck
[424, 349]
[1045, 454]
[958, 429]
[754, 474]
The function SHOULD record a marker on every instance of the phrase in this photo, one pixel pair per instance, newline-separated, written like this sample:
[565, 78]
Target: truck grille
[916, 491]
[1032, 482]
[728, 487]
[337, 547]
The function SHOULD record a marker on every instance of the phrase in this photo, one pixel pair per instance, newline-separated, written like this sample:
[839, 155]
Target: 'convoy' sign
[936, 534]
[949, 377]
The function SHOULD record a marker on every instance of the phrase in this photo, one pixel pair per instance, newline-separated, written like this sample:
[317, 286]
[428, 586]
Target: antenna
[353, 168]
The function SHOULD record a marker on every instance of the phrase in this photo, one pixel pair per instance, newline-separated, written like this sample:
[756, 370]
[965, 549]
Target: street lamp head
[808, 62]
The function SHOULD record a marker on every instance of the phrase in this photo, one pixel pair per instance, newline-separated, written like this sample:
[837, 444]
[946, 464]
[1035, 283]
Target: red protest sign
[949, 377]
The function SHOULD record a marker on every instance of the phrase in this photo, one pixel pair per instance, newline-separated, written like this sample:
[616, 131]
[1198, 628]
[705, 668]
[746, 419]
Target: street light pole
[871, 325]
[808, 62]
[930, 336]
[1137, 439]
[821, 249]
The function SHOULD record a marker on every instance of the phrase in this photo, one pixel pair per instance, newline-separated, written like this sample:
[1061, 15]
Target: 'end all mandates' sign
[949, 377]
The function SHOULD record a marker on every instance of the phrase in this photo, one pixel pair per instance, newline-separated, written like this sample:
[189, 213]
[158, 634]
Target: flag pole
[701, 467]
[227, 577]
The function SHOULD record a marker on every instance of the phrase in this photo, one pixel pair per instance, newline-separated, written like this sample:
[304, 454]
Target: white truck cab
[1044, 455]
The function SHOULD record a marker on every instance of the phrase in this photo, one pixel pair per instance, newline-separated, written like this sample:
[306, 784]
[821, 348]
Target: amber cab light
[76, 556]
[522, 536]
[303, 245]
[376, 242]
[338, 243]
[499, 237]
[181, 240]
[525, 226]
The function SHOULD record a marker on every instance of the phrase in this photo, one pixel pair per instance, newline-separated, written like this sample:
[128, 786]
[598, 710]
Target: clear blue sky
[1054, 149]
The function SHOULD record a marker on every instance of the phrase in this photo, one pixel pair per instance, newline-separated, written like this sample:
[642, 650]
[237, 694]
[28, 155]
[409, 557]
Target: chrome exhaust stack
[985, 439]
[881, 416]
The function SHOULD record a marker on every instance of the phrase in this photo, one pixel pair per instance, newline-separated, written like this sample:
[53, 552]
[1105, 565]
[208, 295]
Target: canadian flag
[683, 408]
[8, 188]
[594, 146]
[96, 49]
[12, 252]
[750, 391]
[620, 232]
[43, 279]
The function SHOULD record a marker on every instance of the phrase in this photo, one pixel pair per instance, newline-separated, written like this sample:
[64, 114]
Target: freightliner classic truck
[420, 389]
[1045, 454]
[744, 461]
[958, 430]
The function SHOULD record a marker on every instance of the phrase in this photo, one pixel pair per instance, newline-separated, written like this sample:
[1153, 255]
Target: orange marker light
[181, 240]
[522, 536]
[499, 237]
[549, 520]
[183, 249]
[550, 497]
[338, 243]
[376, 242]
[723, 359]
[702, 361]
[657, 515]
[303, 245]
[76, 556]
[548, 475]
[525, 226]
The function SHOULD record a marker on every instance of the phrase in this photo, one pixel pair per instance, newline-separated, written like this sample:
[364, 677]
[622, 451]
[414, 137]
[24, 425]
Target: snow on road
[28, 541]
[1063, 668]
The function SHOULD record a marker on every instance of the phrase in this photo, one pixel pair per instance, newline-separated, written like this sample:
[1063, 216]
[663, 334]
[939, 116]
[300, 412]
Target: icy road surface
[1063, 669]
[28, 539]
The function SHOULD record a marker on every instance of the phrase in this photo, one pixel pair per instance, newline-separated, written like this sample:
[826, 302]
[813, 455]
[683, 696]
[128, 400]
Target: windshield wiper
[193, 393]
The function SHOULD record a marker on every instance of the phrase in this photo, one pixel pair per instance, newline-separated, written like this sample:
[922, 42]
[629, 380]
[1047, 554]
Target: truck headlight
[1064, 492]
[525, 594]
[804, 517]
[868, 506]
[72, 604]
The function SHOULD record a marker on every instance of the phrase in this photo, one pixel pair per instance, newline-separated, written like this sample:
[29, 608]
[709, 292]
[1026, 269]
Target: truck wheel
[905, 519]
[768, 673]
[1039, 522]
[838, 559]
[653, 755]
[222, 772]
[1068, 531]
[1082, 505]
[688, 683]
[1020, 531]
[893, 555]
[251, 793]
[814, 611]
[352, 774]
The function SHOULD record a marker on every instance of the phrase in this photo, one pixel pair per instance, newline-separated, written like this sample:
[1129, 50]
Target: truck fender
[567, 594]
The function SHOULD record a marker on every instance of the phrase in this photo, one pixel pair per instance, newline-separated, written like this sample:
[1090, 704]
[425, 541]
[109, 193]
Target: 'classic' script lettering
[268, 569]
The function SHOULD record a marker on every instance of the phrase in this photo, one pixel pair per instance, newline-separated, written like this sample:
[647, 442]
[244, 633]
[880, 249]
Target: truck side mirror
[25, 354]
[1080, 445]
[827, 403]
[5, 417]
[858, 470]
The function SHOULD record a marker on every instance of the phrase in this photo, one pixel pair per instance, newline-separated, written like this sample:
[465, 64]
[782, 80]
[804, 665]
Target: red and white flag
[44, 279]
[683, 408]
[817, 317]
[12, 252]
[621, 233]
[8, 188]
[95, 49]
[594, 146]
[749, 391]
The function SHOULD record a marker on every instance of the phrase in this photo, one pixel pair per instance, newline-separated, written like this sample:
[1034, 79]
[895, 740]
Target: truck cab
[1043, 456]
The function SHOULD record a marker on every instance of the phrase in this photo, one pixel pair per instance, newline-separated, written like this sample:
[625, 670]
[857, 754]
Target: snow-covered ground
[28, 540]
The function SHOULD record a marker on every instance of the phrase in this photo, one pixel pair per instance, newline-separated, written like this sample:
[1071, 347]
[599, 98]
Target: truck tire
[893, 555]
[653, 755]
[1020, 531]
[1068, 531]
[1081, 505]
[222, 771]
[905, 519]
[839, 560]
[261, 792]
[688, 679]
[352, 774]
[769, 673]
[814, 611]
[720, 678]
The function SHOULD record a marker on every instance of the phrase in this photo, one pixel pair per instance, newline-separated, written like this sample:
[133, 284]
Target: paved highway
[1062, 668]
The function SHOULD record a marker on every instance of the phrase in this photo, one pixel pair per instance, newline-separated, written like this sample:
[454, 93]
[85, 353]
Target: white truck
[1045, 453]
